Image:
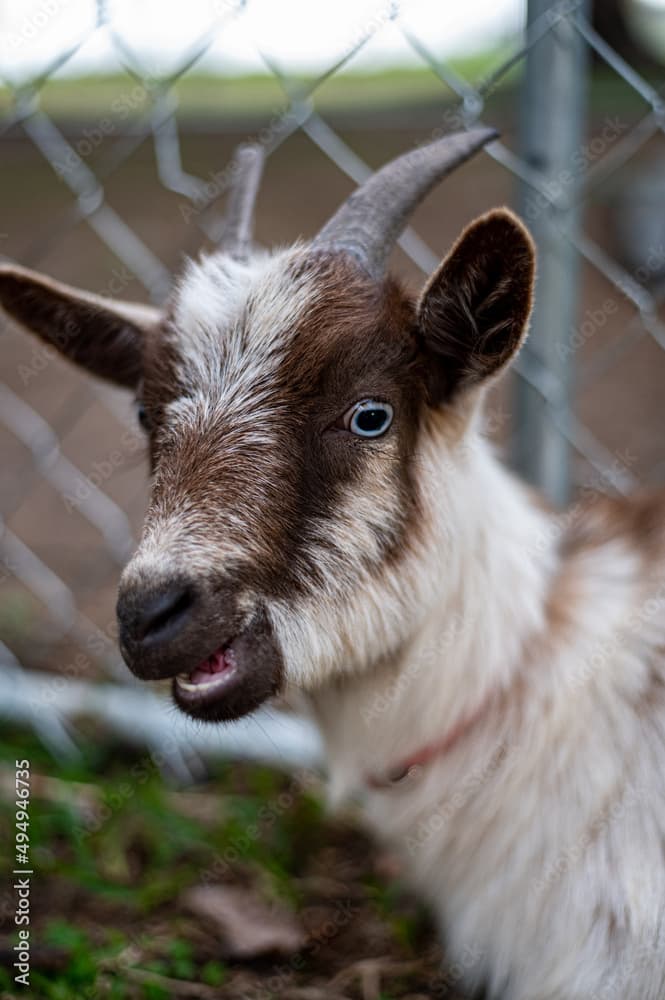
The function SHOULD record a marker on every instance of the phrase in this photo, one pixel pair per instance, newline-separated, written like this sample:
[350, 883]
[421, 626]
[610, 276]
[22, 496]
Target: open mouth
[207, 682]
[234, 679]
[221, 667]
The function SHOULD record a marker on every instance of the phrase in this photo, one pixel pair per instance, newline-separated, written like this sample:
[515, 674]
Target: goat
[327, 517]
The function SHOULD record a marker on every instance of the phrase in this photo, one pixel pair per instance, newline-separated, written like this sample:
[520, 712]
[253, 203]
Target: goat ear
[474, 310]
[102, 335]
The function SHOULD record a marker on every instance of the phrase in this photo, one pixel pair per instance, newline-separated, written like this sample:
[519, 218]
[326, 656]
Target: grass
[114, 848]
[114, 100]
[208, 95]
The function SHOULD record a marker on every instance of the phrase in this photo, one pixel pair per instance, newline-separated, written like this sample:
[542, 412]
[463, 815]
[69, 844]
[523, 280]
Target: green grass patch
[120, 98]
[114, 848]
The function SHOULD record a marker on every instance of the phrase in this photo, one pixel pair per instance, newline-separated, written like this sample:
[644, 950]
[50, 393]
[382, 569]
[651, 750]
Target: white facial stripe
[233, 324]
[175, 540]
[248, 417]
[234, 321]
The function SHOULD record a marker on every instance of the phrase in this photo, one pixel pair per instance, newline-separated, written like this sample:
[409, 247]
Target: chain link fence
[585, 402]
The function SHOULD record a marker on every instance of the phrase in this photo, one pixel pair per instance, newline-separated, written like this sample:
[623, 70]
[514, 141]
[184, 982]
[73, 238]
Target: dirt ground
[240, 888]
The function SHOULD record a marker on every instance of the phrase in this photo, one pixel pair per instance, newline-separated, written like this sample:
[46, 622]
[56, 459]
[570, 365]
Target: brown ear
[100, 334]
[474, 310]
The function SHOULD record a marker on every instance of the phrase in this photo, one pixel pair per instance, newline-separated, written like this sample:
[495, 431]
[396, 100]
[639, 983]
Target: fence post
[553, 120]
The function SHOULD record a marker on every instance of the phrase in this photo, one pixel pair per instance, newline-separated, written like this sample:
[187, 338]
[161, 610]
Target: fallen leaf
[248, 925]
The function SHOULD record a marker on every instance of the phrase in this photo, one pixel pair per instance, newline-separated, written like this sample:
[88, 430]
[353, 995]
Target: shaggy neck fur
[532, 838]
[489, 560]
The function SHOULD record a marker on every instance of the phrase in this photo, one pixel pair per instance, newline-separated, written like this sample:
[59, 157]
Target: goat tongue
[216, 663]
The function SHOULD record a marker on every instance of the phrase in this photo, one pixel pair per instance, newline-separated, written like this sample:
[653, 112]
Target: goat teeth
[186, 684]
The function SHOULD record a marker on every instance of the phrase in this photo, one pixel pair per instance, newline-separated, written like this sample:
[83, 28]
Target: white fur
[539, 839]
[233, 320]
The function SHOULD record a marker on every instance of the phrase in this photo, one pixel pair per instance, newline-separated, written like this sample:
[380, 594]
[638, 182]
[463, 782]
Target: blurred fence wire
[554, 55]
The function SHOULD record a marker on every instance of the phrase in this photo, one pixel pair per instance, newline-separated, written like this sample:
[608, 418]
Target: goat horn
[239, 219]
[370, 221]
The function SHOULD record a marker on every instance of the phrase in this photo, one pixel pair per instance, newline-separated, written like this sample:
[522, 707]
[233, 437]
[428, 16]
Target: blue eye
[142, 416]
[369, 418]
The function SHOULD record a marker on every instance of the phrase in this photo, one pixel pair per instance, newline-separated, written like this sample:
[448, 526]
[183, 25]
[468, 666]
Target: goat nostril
[162, 614]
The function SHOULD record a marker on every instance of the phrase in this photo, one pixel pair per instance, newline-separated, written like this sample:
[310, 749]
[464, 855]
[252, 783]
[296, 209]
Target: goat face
[286, 398]
[271, 494]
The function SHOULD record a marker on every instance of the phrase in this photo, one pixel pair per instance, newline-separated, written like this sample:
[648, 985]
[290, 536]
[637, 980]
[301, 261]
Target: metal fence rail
[555, 54]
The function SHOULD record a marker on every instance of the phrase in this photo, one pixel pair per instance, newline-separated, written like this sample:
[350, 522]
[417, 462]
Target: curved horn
[239, 219]
[369, 222]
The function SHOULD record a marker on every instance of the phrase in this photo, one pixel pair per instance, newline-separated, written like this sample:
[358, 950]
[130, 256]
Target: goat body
[327, 517]
[539, 836]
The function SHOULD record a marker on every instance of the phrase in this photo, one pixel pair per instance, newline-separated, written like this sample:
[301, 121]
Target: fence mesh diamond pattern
[113, 200]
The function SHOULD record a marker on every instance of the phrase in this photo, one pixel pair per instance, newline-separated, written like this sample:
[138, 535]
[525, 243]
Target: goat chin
[538, 838]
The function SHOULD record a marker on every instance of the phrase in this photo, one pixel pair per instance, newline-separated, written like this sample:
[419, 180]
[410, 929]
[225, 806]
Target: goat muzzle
[222, 664]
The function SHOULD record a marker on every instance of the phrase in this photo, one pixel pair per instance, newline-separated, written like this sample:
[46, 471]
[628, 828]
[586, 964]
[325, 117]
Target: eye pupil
[369, 418]
[142, 416]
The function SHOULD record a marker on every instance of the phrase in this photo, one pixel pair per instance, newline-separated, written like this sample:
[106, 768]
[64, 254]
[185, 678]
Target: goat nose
[155, 616]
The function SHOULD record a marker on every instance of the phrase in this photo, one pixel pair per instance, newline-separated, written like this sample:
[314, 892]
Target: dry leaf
[247, 925]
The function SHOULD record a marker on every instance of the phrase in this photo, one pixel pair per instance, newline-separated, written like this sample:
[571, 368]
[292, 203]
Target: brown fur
[639, 520]
[359, 341]
[86, 329]
[474, 309]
